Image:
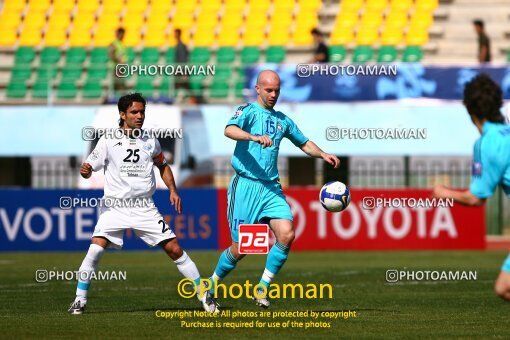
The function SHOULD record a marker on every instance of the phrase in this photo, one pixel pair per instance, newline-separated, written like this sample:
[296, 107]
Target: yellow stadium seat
[278, 38]
[347, 22]
[415, 37]
[10, 20]
[132, 37]
[376, 5]
[255, 38]
[55, 37]
[254, 23]
[137, 5]
[34, 20]
[371, 20]
[235, 5]
[8, 38]
[351, 5]
[280, 7]
[392, 36]
[103, 37]
[305, 21]
[87, 6]
[367, 36]
[62, 6]
[162, 6]
[79, 38]
[206, 21]
[39, 5]
[30, 37]
[108, 20]
[259, 5]
[309, 5]
[133, 19]
[13, 5]
[228, 38]
[154, 38]
[83, 22]
[182, 22]
[403, 5]
[261, 15]
[230, 25]
[186, 6]
[210, 6]
[112, 6]
[421, 20]
[59, 20]
[341, 37]
[396, 19]
[302, 37]
[203, 39]
[426, 5]
[157, 21]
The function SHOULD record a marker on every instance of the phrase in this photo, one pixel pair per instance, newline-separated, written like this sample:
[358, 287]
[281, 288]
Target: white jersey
[128, 165]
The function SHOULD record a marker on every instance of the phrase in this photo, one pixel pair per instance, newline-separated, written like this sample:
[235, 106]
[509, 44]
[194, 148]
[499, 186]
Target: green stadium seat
[387, 54]
[164, 87]
[226, 55]
[16, 89]
[21, 72]
[196, 84]
[76, 55]
[219, 89]
[241, 74]
[250, 55]
[362, 54]
[170, 55]
[412, 54]
[149, 55]
[146, 88]
[24, 55]
[275, 54]
[40, 88]
[239, 89]
[223, 72]
[67, 90]
[50, 55]
[99, 55]
[200, 55]
[337, 53]
[92, 90]
[71, 72]
[98, 72]
[46, 72]
[131, 54]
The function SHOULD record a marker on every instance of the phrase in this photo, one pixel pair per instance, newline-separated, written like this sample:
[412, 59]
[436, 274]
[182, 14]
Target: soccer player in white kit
[129, 176]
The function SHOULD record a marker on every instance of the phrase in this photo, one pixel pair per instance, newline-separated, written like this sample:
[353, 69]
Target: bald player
[255, 194]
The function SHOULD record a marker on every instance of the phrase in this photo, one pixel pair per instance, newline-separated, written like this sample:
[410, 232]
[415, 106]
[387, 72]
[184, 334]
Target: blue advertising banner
[354, 82]
[33, 220]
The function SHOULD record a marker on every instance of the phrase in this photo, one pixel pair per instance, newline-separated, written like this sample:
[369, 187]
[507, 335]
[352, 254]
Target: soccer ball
[335, 196]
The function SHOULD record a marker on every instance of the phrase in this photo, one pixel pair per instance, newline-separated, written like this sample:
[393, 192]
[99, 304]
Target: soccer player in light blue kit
[255, 194]
[491, 160]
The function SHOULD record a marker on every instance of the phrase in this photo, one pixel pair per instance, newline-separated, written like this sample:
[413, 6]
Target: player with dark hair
[484, 43]
[129, 175]
[255, 194]
[491, 156]
[321, 53]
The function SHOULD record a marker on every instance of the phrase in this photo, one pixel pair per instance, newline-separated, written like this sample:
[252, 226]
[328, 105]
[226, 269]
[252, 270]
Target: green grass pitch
[126, 309]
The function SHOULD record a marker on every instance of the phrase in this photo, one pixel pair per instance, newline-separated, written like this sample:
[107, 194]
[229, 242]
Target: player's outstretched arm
[86, 170]
[312, 150]
[462, 197]
[236, 133]
[168, 178]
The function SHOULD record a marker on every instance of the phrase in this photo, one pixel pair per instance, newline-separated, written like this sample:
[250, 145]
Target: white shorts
[147, 223]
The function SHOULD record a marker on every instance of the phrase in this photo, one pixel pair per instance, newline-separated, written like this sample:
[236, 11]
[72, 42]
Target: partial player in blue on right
[335, 196]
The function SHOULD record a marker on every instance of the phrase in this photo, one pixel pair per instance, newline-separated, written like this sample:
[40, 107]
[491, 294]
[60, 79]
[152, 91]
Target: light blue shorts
[251, 201]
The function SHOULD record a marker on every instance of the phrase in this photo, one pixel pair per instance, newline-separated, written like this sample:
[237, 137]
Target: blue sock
[275, 260]
[226, 264]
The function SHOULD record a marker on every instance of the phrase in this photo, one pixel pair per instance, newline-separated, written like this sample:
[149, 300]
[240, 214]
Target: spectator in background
[484, 44]
[321, 54]
[181, 50]
[118, 55]
[181, 57]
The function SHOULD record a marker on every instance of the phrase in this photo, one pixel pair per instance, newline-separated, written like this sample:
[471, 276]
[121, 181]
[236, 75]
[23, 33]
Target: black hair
[479, 23]
[483, 99]
[315, 31]
[178, 31]
[121, 30]
[127, 100]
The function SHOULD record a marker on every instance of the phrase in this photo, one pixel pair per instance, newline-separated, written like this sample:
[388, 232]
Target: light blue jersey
[491, 161]
[250, 159]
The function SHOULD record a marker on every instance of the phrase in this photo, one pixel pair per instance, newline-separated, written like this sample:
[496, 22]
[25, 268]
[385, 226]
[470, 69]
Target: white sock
[188, 269]
[267, 277]
[88, 266]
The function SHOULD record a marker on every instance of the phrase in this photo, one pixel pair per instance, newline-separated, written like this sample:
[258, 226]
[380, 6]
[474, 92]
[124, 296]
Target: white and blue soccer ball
[335, 196]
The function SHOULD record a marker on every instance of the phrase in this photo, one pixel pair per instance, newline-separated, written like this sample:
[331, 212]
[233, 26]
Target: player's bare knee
[173, 249]
[234, 250]
[287, 237]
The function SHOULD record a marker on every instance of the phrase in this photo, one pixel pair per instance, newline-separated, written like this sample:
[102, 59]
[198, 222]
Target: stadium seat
[362, 54]
[46, 73]
[305, 21]
[8, 38]
[40, 88]
[337, 53]
[219, 89]
[55, 37]
[351, 5]
[203, 38]
[50, 55]
[67, 90]
[200, 55]
[76, 55]
[367, 36]
[259, 5]
[387, 54]
[279, 38]
[59, 21]
[412, 54]
[39, 5]
[87, 6]
[396, 19]
[137, 5]
[345, 21]
[92, 90]
[149, 55]
[62, 6]
[21, 72]
[426, 5]
[275, 54]
[392, 36]
[254, 38]
[131, 55]
[239, 89]
[223, 72]
[170, 55]
[34, 21]
[309, 5]
[376, 5]
[79, 38]
[404, 5]
[283, 7]
[10, 21]
[103, 36]
[154, 38]
[235, 5]
[108, 21]
[183, 22]
[371, 20]
[30, 37]
[228, 38]
[16, 89]
[280, 23]
[71, 72]
[132, 20]
[112, 6]
[225, 55]
[421, 21]
[146, 88]
[416, 37]
[250, 55]
[14, 5]
[97, 71]
[99, 55]
[132, 37]
[83, 22]
[24, 55]
[342, 37]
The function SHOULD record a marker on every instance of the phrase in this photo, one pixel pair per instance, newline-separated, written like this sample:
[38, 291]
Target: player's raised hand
[331, 159]
[265, 141]
[86, 170]
[176, 201]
